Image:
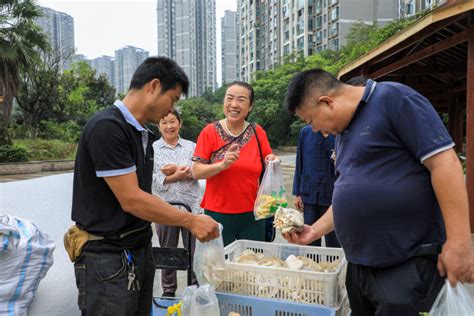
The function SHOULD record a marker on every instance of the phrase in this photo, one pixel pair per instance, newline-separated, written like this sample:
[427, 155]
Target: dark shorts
[102, 281]
[405, 289]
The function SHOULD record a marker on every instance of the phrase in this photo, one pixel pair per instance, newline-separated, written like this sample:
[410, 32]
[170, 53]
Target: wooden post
[470, 123]
[455, 123]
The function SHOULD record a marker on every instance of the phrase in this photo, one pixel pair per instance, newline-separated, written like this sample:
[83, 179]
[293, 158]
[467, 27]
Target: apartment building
[186, 33]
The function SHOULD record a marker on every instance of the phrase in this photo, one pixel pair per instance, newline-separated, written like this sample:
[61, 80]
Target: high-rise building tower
[408, 8]
[59, 27]
[250, 37]
[269, 30]
[127, 60]
[187, 34]
[229, 47]
[104, 65]
[334, 18]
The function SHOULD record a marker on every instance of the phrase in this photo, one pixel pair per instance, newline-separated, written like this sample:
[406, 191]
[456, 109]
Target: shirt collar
[128, 116]
[369, 90]
[161, 143]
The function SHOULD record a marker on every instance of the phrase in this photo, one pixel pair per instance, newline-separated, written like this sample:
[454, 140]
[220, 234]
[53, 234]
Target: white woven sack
[26, 254]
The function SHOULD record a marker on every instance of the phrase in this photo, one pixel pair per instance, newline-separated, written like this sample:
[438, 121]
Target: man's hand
[299, 203]
[456, 261]
[306, 236]
[231, 155]
[204, 228]
[169, 169]
[447, 178]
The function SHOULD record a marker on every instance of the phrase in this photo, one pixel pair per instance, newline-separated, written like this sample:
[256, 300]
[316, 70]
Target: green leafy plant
[40, 149]
[9, 153]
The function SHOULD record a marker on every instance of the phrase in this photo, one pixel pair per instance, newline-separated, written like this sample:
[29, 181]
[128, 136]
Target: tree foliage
[20, 42]
[55, 105]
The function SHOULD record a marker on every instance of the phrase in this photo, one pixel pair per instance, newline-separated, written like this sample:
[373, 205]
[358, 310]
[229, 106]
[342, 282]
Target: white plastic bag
[209, 261]
[200, 301]
[271, 193]
[453, 301]
[26, 254]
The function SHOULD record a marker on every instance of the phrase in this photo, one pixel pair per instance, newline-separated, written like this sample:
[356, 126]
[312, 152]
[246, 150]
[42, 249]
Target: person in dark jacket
[314, 178]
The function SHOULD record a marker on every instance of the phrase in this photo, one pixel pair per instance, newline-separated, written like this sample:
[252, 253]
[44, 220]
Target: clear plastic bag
[209, 261]
[271, 193]
[200, 301]
[453, 301]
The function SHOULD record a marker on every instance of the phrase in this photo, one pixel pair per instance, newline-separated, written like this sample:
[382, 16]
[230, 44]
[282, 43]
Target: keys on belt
[133, 282]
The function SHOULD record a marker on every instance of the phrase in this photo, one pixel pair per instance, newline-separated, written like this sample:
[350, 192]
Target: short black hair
[176, 113]
[309, 82]
[166, 70]
[359, 81]
[245, 85]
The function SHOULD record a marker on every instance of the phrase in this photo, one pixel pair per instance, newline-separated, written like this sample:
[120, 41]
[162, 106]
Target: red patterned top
[233, 190]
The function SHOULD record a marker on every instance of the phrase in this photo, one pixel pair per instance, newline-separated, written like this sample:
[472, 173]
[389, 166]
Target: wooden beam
[444, 14]
[470, 124]
[422, 54]
[428, 70]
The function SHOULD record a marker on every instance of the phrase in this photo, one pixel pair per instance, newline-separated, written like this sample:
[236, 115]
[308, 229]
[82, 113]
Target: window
[300, 25]
[335, 14]
[300, 43]
[300, 4]
[319, 37]
[334, 29]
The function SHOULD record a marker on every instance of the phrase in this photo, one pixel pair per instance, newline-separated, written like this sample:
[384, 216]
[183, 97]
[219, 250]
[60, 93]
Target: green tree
[197, 113]
[56, 106]
[82, 94]
[38, 94]
[20, 42]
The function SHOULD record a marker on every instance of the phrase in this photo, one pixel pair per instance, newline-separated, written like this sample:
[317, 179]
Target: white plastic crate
[281, 283]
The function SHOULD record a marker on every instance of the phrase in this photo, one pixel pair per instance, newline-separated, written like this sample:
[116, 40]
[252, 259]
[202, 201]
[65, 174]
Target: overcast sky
[102, 26]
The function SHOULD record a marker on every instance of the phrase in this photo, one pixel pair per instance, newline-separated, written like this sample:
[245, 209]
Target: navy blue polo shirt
[113, 143]
[384, 204]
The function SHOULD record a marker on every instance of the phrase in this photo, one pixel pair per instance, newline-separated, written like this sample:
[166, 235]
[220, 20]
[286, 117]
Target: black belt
[119, 236]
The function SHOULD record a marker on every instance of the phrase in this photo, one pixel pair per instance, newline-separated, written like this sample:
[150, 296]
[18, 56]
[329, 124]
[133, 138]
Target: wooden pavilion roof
[430, 55]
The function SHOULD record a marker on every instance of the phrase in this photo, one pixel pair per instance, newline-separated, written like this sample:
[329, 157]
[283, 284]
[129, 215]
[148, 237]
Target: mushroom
[288, 219]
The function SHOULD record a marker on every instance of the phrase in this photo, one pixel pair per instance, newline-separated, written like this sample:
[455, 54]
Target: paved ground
[27, 176]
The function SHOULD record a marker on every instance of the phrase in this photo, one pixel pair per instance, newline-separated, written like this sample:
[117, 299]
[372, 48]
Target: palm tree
[21, 41]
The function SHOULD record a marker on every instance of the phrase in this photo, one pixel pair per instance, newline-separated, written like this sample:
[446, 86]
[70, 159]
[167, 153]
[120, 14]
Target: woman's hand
[299, 203]
[169, 169]
[183, 173]
[231, 155]
[271, 157]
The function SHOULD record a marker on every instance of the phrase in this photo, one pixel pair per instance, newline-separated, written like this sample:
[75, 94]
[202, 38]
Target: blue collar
[369, 90]
[128, 116]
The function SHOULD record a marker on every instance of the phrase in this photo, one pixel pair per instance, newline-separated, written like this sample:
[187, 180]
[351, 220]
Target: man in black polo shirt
[112, 200]
[400, 197]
